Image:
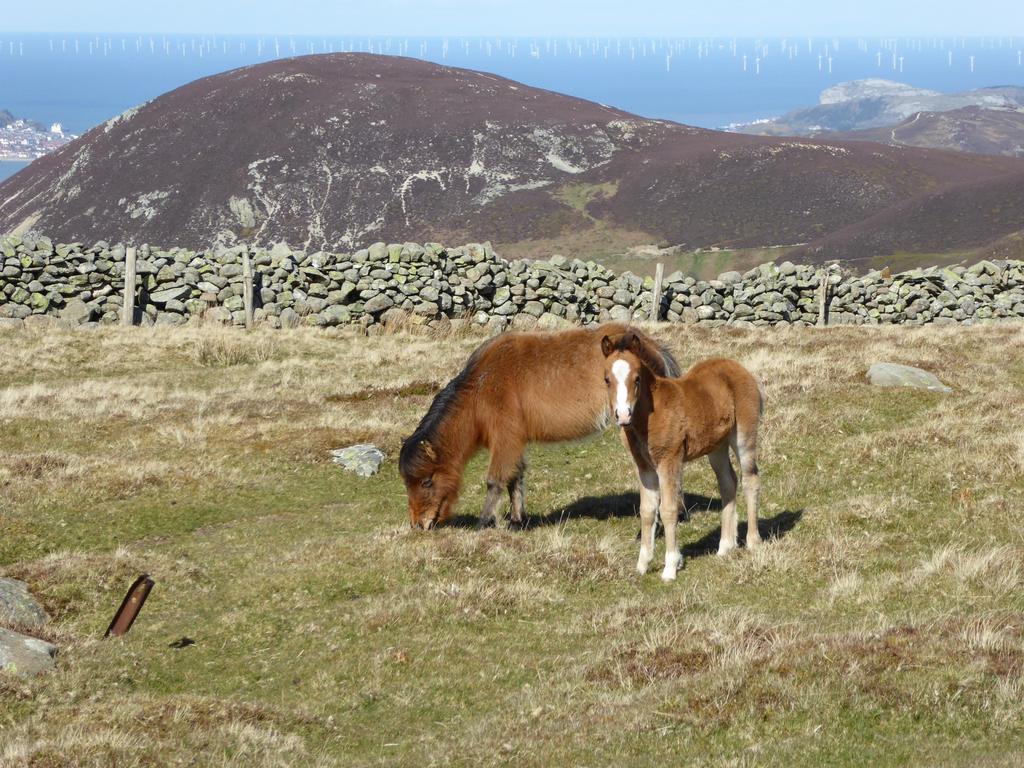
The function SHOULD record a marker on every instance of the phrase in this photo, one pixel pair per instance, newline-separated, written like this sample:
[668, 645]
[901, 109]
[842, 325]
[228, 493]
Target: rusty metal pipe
[130, 607]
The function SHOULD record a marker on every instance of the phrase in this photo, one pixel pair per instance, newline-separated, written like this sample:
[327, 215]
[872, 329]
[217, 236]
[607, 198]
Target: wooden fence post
[128, 305]
[659, 275]
[822, 298]
[247, 288]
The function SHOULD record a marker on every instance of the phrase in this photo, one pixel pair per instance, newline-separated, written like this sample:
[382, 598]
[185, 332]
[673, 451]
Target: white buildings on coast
[24, 141]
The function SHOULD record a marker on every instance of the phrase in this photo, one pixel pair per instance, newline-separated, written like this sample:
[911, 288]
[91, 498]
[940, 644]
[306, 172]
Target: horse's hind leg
[744, 443]
[720, 462]
[517, 496]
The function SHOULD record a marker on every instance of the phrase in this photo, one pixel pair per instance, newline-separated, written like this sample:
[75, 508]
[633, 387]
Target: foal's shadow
[769, 527]
[628, 505]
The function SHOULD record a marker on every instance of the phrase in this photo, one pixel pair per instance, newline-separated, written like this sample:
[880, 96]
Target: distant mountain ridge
[876, 103]
[336, 151]
[970, 129]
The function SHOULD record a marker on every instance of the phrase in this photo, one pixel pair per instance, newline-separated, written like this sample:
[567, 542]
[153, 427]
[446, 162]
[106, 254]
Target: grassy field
[882, 623]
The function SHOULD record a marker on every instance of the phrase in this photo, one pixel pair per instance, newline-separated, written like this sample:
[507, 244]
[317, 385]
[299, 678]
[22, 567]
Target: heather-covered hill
[971, 129]
[337, 151]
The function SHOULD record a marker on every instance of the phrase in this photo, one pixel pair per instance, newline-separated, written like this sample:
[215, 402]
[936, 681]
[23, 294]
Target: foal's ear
[606, 346]
[635, 345]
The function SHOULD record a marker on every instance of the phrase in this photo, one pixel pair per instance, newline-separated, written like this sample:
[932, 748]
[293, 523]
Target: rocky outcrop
[72, 284]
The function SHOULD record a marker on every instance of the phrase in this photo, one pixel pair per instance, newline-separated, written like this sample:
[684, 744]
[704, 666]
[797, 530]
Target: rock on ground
[364, 459]
[17, 606]
[24, 655]
[896, 375]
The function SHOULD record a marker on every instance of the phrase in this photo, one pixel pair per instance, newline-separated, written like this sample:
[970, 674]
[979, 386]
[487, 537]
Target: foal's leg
[506, 458]
[744, 443]
[719, 459]
[649, 496]
[668, 475]
[517, 496]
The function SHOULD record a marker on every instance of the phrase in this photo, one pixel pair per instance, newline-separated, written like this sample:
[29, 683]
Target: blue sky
[522, 17]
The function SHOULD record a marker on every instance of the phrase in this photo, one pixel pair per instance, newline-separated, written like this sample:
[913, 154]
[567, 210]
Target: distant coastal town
[24, 140]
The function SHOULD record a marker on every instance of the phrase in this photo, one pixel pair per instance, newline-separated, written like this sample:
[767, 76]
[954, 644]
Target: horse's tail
[764, 395]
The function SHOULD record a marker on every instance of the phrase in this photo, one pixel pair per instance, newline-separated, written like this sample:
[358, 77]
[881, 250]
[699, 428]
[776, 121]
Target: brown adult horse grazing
[669, 421]
[515, 389]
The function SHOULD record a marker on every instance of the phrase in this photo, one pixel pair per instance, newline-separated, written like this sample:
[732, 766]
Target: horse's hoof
[484, 524]
[668, 576]
[518, 525]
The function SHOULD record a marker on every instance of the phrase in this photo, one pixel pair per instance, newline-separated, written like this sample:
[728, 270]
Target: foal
[669, 421]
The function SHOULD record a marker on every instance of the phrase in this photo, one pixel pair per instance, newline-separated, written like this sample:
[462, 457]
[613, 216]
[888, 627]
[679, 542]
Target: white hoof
[671, 566]
[725, 547]
[644, 560]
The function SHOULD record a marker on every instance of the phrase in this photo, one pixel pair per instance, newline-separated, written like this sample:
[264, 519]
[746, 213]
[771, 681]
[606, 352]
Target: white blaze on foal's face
[623, 381]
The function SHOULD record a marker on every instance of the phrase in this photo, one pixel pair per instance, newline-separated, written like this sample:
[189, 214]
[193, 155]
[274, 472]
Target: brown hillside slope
[953, 219]
[971, 129]
[337, 151]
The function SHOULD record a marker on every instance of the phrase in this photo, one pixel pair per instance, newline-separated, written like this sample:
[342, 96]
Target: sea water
[10, 167]
[83, 80]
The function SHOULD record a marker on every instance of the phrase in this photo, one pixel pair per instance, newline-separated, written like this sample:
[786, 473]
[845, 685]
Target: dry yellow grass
[882, 623]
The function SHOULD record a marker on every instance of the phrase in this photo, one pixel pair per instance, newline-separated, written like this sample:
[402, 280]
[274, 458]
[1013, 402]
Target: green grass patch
[882, 623]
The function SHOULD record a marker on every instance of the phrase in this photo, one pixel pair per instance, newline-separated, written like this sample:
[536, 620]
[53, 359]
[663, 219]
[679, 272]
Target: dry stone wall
[74, 284]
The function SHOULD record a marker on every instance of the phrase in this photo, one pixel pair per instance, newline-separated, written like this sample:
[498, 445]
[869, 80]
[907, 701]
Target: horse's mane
[655, 356]
[669, 365]
[410, 457]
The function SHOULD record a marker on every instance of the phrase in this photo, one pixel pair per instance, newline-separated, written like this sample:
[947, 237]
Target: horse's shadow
[618, 505]
[628, 505]
[589, 507]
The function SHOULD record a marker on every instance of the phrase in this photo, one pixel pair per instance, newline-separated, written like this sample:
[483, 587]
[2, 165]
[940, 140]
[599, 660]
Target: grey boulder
[23, 655]
[17, 606]
[896, 375]
[364, 459]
